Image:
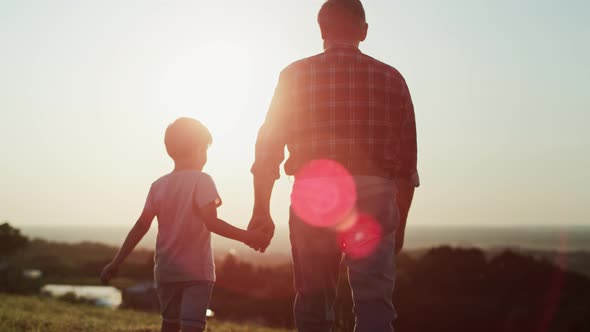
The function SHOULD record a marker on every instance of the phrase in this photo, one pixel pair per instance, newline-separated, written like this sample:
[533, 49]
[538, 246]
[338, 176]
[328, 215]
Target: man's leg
[370, 257]
[316, 264]
[170, 327]
[372, 281]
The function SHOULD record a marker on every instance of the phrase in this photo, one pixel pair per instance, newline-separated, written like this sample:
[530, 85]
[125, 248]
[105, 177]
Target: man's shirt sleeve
[272, 136]
[409, 146]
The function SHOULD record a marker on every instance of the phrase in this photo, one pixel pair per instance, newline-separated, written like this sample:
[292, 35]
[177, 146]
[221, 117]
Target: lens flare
[362, 239]
[324, 193]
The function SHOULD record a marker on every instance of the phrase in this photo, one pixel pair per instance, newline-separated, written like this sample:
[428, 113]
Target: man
[344, 108]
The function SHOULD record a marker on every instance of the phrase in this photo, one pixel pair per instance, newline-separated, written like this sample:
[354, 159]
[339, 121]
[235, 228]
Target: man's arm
[270, 153]
[408, 178]
[405, 194]
[135, 235]
[261, 218]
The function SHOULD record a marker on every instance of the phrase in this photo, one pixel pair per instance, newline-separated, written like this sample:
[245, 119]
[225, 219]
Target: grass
[40, 314]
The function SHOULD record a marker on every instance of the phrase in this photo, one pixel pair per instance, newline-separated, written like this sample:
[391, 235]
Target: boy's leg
[170, 297]
[316, 264]
[195, 302]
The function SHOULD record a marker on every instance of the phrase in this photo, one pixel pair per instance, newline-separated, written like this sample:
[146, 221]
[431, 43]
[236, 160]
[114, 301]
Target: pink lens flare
[324, 193]
[361, 240]
[347, 222]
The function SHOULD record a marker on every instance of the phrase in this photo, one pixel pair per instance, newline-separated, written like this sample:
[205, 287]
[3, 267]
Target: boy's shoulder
[185, 175]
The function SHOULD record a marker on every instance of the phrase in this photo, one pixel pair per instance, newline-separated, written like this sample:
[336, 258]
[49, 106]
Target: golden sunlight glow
[226, 86]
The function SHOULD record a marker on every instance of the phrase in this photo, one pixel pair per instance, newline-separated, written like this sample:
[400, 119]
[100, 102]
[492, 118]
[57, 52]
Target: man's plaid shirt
[341, 105]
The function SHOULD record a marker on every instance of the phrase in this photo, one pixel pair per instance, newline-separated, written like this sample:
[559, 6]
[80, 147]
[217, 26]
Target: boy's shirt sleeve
[206, 192]
[150, 205]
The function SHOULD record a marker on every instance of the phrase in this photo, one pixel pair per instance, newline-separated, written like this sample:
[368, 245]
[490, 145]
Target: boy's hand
[264, 223]
[257, 239]
[109, 272]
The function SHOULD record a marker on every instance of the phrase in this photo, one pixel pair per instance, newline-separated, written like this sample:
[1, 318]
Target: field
[36, 314]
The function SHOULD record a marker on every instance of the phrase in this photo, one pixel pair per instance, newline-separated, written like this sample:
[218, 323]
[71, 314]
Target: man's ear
[323, 33]
[363, 32]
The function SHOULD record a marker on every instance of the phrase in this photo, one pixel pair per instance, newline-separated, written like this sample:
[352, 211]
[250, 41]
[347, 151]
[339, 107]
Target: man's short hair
[341, 18]
[185, 136]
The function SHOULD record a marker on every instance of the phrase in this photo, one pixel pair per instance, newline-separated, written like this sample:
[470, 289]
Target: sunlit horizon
[87, 91]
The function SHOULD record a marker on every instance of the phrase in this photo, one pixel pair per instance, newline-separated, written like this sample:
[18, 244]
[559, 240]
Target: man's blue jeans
[317, 255]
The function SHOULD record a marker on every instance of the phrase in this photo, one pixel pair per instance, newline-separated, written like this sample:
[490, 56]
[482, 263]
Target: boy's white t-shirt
[183, 245]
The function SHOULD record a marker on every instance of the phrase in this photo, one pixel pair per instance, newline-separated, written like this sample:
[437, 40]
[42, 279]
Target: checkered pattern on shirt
[341, 105]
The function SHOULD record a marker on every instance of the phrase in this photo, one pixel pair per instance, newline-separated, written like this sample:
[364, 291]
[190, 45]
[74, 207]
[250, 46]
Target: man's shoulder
[302, 64]
[384, 67]
[305, 63]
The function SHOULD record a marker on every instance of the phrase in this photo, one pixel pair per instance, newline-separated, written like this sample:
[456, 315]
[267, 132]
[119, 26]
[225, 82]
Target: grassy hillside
[35, 314]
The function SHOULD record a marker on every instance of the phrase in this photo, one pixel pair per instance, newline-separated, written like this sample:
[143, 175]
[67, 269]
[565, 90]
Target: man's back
[345, 106]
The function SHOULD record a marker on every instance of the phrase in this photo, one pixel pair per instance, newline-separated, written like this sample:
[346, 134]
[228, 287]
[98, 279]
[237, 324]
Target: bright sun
[226, 86]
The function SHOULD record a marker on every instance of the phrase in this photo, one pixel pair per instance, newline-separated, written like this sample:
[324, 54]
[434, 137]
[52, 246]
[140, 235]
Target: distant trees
[11, 240]
[11, 277]
[440, 289]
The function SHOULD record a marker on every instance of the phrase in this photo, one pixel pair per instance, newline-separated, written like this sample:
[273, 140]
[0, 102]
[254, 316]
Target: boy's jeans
[317, 256]
[185, 303]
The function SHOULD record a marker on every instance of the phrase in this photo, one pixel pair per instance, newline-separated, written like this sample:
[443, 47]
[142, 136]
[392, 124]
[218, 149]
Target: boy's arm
[207, 201]
[220, 227]
[135, 235]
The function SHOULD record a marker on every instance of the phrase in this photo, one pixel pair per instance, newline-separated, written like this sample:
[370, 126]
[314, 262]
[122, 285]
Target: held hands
[265, 225]
[256, 239]
[109, 272]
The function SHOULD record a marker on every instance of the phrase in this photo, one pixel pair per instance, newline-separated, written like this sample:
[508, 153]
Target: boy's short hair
[340, 18]
[185, 136]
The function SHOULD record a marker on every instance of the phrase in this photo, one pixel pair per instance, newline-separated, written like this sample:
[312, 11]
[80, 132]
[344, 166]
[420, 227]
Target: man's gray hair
[337, 16]
[352, 8]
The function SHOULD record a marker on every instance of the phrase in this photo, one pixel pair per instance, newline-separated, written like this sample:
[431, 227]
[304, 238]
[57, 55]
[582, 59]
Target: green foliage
[81, 263]
[71, 297]
[457, 289]
[34, 314]
[11, 240]
[12, 281]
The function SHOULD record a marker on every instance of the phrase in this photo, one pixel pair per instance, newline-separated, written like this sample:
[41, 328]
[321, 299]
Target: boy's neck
[182, 165]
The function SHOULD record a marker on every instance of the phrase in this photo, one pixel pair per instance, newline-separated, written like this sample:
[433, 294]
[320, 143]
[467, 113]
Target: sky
[87, 89]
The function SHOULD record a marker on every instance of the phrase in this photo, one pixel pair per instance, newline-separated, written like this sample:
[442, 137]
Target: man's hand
[399, 240]
[109, 272]
[264, 224]
[257, 239]
[403, 199]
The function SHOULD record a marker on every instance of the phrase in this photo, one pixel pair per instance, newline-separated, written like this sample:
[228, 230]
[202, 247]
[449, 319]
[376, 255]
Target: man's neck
[328, 44]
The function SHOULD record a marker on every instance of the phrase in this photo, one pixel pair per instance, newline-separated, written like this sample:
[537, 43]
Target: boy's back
[183, 246]
[185, 203]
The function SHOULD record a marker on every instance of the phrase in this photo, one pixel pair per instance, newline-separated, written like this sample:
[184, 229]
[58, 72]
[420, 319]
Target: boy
[185, 202]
